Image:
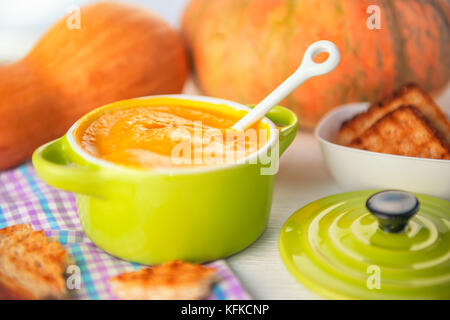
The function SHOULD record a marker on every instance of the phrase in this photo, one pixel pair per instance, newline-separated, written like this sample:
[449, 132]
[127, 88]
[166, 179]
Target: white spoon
[308, 69]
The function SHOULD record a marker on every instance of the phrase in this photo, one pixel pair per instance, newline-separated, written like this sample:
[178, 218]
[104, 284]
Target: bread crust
[169, 281]
[31, 266]
[404, 131]
[409, 94]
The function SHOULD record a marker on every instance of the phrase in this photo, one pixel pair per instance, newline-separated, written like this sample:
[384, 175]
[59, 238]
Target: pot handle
[53, 165]
[287, 121]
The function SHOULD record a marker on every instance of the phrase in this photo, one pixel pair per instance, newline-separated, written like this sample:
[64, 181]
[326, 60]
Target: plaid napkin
[24, 198]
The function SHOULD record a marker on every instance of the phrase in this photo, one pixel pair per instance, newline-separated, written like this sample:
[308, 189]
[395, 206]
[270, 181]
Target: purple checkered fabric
[24, 198]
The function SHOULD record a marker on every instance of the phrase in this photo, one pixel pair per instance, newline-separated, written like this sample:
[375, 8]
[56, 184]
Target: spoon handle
[308, 69]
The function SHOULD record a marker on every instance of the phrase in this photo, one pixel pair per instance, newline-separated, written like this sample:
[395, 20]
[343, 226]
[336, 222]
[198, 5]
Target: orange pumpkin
[119, 52]
[242, 50]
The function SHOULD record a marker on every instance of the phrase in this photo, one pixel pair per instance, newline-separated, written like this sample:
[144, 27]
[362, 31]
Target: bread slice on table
[173, 280]
[409, 94]
[31, 266]
[404, 131]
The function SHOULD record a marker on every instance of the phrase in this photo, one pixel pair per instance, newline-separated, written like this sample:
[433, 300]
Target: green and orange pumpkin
[242, 49]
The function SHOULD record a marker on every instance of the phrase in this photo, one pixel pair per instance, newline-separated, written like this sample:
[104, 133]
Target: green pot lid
[339, 249]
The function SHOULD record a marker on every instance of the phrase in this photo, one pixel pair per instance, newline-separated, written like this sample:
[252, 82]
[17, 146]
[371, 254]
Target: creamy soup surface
[171, 136]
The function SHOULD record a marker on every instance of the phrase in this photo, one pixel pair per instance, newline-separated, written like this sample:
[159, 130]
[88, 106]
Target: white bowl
[355, 169]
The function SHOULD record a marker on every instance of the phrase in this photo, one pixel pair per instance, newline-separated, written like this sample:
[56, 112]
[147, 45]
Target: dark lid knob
[393, 209]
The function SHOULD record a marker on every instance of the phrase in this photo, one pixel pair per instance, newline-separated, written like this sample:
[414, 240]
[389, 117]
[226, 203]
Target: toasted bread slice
[404, 131]
[409, 94]
[170, 281]
[31, 267]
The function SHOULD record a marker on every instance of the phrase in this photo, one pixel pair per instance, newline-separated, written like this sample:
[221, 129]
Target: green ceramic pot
[153, 216]
[338, 249]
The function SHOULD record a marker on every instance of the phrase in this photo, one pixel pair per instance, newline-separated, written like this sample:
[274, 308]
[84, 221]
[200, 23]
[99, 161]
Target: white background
[23, 21]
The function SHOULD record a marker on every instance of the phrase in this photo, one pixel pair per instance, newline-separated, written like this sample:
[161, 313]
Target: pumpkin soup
[171, 136]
